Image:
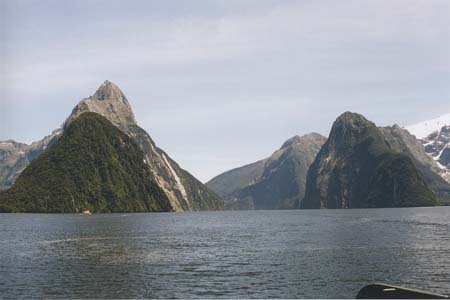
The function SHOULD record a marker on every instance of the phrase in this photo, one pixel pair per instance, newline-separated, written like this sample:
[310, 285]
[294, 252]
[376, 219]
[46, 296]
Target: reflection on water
[247, 254]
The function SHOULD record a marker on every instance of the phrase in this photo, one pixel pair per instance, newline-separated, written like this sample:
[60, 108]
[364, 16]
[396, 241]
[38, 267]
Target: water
[244, 254]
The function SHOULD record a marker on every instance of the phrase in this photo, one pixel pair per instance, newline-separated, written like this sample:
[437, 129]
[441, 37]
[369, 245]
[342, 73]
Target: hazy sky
[218, 84]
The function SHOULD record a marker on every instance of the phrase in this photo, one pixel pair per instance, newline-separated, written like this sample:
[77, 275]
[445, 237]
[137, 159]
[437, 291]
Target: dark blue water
[246, 254]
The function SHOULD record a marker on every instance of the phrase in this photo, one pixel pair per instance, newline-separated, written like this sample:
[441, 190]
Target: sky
[219, 84]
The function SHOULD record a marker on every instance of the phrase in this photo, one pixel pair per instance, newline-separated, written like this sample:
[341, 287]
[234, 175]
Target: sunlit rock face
[110, 102]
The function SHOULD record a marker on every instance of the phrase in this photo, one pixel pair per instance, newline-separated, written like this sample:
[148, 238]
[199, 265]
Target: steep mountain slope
[183, 190]
[93, 166]
[227, 183]
[277, 182]
[357, 167]
[437, 145]
[400, 140]
[434, 135]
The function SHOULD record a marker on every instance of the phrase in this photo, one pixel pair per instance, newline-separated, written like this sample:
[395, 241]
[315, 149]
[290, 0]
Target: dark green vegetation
[92, 166]
[401, 141]
[396, 182]
[357, 168]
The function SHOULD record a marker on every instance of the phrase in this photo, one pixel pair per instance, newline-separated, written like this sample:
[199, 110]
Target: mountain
[185, 193]
[277, 182]
[400, 140]
[92, 166]
[437, 145]
[229, 182]
[15, 157]
[434, 135]
[357, 167]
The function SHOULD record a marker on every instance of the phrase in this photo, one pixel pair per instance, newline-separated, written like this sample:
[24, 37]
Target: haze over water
[242, 254]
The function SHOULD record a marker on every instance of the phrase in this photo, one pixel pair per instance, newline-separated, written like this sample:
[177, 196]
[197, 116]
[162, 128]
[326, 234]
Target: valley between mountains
[102, 161]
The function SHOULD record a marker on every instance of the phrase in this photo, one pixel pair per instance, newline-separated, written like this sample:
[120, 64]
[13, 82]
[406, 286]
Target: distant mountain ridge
[277, 182]
[15, 157]
[184, 192]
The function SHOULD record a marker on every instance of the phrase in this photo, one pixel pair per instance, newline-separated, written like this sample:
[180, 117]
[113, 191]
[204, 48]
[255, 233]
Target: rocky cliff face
[437, 145]
[358, 167]
[182, 189]
[110, 102]
[434, 135]
[15, 157]
[277, 182]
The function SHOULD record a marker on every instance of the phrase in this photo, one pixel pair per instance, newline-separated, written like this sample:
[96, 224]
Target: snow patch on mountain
[434, 135]
[423, 129]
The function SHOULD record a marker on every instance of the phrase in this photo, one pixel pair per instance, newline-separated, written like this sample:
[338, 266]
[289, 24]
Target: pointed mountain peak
[108, 101]
[109, 91]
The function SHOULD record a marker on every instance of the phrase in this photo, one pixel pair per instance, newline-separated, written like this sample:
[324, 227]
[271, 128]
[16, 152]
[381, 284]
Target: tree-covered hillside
[93, 166]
